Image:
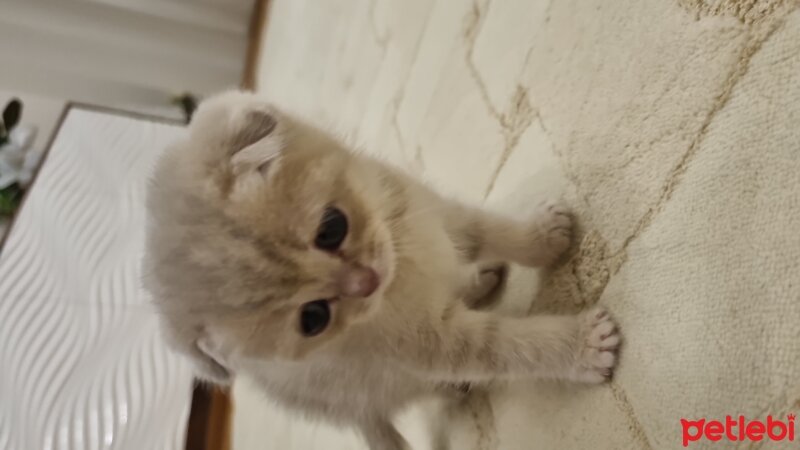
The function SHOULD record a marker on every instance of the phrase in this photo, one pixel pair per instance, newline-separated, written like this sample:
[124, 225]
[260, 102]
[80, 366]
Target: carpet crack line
[479, 405]
[517, 121]
[633, 422]
[520, 115]
[755, 43]
[616, 260]
[381, 39]
[400, 93]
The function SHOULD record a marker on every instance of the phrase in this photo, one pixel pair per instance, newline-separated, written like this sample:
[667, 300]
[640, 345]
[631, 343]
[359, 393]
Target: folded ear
[202, 354]
[257, 142]
[209, 365]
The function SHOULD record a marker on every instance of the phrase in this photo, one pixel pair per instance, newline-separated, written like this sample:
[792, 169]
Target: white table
[82, 365]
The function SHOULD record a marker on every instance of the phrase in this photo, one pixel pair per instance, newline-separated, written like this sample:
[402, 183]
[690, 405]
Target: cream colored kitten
[339, 283]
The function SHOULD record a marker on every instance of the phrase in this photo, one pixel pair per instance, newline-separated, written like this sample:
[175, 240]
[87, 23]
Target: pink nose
[358, 281]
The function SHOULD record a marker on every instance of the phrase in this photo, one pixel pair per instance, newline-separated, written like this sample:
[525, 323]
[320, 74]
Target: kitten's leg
[487, 286]
[474, 346]
[482, 235]
[380, 434]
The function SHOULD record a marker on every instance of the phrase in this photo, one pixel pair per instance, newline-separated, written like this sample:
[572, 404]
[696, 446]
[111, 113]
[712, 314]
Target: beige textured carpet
[673, 129]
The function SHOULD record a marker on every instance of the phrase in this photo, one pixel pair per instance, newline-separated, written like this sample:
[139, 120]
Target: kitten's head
[267, 238]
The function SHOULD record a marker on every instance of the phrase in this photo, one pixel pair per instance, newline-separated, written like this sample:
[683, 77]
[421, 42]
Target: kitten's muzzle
[358, 281]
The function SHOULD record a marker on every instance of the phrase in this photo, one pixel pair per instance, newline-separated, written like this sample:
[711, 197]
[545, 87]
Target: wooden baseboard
[255, 34]
[210, 419]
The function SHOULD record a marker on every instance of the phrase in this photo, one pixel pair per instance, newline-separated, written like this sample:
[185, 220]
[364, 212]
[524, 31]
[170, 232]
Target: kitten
[339, 283]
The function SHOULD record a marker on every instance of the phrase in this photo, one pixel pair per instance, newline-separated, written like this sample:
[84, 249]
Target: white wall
[129, 53]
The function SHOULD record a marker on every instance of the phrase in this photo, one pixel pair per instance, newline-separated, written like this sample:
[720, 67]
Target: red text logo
[739, 429]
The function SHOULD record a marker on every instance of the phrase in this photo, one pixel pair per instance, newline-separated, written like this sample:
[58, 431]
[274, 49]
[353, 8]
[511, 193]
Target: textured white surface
[82, 365]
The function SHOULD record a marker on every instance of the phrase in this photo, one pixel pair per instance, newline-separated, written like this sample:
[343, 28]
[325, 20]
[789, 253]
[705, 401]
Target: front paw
[599, 341]
[552, 232]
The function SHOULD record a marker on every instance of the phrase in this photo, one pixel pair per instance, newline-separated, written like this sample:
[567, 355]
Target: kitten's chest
[344, 385]
[429, 261]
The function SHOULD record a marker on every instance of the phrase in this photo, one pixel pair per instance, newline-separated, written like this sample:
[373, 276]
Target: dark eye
[332, 230]
[314, 317]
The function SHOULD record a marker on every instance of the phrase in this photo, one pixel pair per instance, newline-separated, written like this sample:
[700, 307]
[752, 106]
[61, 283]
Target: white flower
[16, 158]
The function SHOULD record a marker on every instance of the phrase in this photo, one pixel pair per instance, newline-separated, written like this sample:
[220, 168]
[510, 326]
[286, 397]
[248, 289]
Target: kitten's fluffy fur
[235, 208]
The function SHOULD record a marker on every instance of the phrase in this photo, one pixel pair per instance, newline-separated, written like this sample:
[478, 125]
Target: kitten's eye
[314, 317]
[332, 230]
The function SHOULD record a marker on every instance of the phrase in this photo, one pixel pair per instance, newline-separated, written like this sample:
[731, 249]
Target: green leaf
[10, 199]
[188, 104]
[12, 114]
